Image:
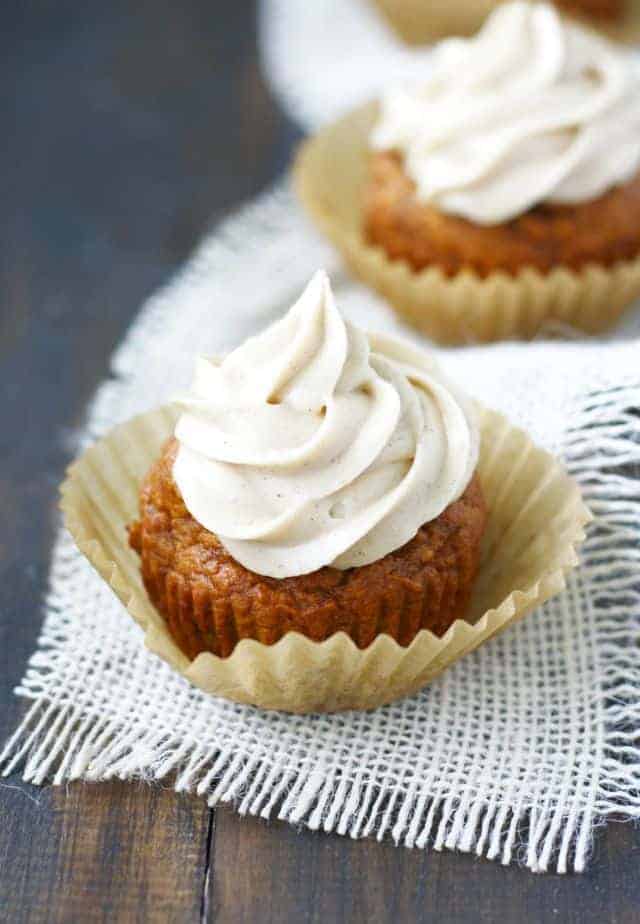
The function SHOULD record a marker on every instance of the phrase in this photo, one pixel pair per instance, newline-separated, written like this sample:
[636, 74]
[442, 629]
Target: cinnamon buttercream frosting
[317, 444]
[534, 109]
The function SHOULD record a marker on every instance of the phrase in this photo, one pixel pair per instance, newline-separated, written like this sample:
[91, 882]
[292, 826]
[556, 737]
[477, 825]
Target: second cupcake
[508, 184]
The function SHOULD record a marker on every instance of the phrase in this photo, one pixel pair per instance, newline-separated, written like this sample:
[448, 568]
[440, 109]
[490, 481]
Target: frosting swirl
[533, 109]
[316, 444]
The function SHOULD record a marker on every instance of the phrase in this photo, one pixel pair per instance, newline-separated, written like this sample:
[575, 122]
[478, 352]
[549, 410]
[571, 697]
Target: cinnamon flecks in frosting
[316, 444]
[533, 109]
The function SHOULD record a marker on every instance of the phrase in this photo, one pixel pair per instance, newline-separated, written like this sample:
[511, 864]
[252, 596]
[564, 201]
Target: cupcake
[420, 21]
[320, 480]
[507, 185]
[523, 150]
[611, 10]
[605, 10]
[324, 521]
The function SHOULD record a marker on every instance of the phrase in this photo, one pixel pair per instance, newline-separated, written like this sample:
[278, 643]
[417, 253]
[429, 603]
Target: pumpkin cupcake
[319, 480]
[324, 521]
[611, 10]
[508, 183]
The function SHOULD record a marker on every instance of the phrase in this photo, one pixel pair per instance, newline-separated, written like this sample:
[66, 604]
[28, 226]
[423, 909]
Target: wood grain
[104, 853]
[273, 872]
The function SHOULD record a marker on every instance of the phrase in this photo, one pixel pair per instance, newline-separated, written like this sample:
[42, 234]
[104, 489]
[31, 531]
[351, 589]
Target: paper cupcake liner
[417, 22]
[329, 175]
[536, 520]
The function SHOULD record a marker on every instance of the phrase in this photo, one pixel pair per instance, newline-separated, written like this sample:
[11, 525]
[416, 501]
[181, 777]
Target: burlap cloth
[515, 753]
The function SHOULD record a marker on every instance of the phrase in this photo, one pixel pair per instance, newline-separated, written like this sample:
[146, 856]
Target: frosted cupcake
[324, 521]
[515, 168]
[523, 150]
[319, 480]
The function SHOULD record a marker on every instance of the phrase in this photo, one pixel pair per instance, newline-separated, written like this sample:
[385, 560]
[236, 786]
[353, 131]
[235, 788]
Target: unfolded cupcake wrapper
[421, 21]
[330, 174]
[536, 521]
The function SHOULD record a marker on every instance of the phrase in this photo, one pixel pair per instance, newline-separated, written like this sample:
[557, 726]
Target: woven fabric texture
[516, 753]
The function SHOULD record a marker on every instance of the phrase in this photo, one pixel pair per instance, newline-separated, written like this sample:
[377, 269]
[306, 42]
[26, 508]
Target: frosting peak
[533, 109]
[316, 444]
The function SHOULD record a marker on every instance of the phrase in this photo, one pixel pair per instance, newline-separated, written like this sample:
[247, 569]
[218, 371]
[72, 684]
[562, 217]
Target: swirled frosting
[316, 444]
[533, 109]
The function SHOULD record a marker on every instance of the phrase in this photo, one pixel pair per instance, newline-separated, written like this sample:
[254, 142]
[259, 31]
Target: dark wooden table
[127, 128]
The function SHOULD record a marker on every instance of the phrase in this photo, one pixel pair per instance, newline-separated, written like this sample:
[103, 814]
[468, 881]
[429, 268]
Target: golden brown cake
[598, 9]
[603, 231]
[210, 601]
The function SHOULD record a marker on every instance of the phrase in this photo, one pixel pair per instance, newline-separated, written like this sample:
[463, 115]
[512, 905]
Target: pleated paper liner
[329, 175]
[418, 22]
[536, 520]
